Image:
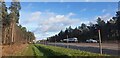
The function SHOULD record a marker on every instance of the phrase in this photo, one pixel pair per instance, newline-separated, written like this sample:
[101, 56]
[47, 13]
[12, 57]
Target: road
[108, 48]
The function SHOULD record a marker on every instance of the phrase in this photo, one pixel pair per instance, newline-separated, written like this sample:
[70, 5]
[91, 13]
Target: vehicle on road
[70, 40]
[91, 41]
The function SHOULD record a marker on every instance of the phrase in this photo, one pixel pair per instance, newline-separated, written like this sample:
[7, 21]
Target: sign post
[67, 42]
[100, 45]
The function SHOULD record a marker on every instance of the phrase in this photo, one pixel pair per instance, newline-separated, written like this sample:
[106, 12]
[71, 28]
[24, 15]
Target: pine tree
[15, 7]
[4, 21]
[14, 17]
[118, 23]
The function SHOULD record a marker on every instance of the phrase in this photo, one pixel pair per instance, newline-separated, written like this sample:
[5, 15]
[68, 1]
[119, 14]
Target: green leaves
[14, 8]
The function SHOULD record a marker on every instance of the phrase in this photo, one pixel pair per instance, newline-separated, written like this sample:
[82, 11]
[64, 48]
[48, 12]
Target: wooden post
[55, 41]
[67, 42]
[100, 45]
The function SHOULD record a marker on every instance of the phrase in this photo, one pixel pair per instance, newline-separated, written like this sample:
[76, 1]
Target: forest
[110, 30]
[12, 31]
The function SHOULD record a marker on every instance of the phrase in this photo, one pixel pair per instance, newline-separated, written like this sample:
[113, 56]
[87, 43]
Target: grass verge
[30, 50]
[59, 51]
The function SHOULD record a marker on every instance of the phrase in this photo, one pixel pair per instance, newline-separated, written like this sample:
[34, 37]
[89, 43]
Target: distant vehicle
[91, 41]
[29, 42]
[70, 40]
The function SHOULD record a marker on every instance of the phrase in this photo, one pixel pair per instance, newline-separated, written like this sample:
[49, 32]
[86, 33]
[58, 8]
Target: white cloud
[57, 22]
[87, 0]
[45, 24]
[35, 16]
[29, 17]
[61, 1]
[104, 10]
[71, 14]
[105, 17]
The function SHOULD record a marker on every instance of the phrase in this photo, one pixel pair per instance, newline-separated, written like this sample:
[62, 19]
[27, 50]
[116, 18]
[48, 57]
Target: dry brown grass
[11, 50]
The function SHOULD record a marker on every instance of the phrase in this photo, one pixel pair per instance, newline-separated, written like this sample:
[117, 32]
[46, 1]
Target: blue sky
[66, 0]
[46, 19]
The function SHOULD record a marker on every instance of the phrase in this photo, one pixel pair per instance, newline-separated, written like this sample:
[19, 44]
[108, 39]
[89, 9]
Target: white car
[91, 41]
[70, 40]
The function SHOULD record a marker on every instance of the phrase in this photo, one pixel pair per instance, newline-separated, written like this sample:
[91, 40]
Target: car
[70, 40]
[91, 41]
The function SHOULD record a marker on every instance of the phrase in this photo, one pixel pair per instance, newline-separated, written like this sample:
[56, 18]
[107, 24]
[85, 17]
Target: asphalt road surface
[107, 48]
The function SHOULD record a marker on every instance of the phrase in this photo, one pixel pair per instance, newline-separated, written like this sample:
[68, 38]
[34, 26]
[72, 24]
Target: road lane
[91, 47]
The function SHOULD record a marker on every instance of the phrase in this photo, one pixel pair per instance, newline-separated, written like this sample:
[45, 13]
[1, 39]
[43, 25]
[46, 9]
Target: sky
[65, 0]
[46, 19]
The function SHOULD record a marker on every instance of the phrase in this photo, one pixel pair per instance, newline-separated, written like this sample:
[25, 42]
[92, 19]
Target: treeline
[12, 31]
[110, 30]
